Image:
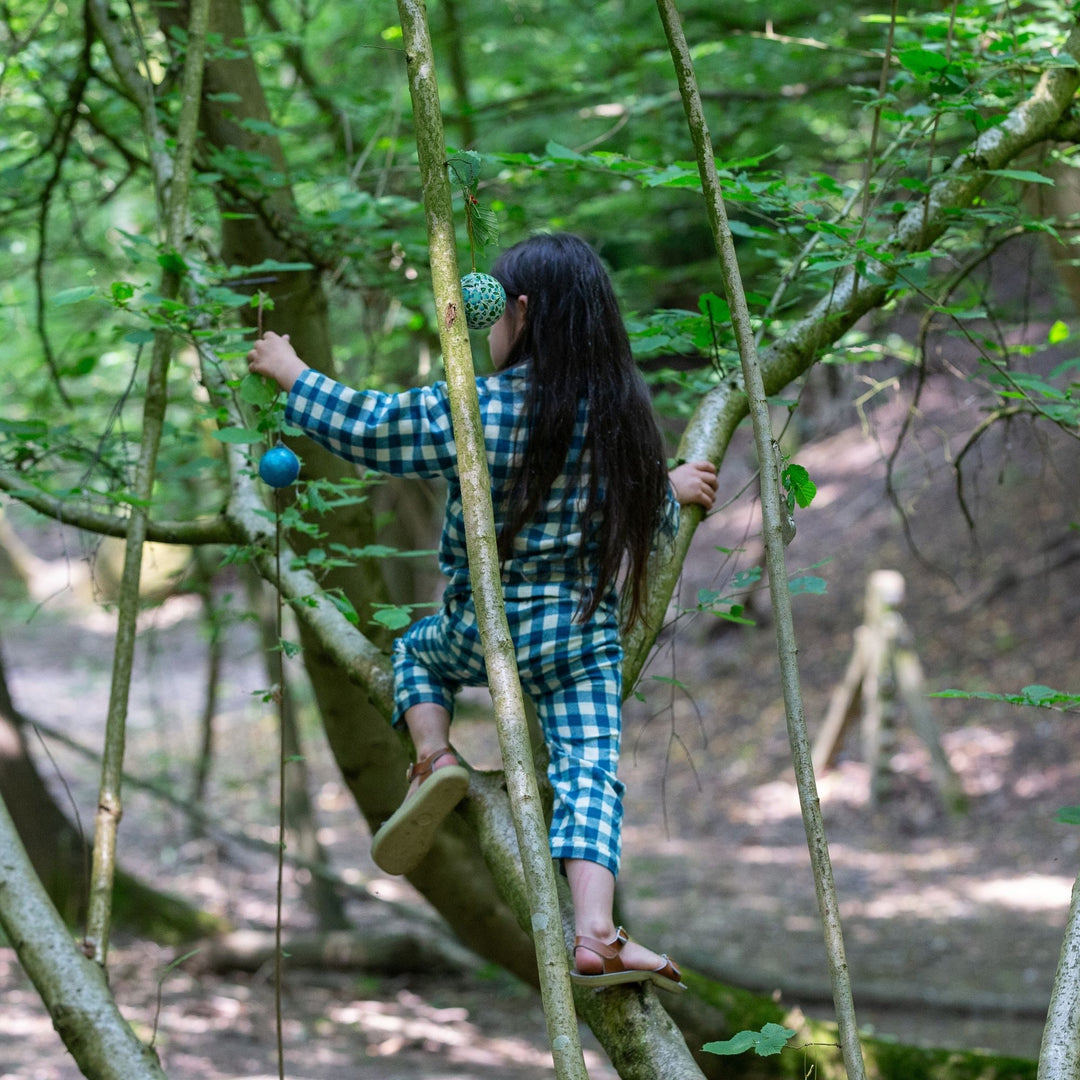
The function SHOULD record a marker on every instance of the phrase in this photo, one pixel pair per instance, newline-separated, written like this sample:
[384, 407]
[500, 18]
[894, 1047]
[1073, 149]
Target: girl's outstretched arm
[274, 357]
[694, 482]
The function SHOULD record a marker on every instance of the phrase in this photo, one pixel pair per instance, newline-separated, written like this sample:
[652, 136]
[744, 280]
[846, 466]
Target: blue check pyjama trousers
[572, 673]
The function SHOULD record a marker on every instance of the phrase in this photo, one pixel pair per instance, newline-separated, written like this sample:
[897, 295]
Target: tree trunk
[371, 755]
[58, 852]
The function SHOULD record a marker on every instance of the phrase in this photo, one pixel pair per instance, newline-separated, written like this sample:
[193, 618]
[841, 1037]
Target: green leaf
[1038, 694]
[922, 61]
[465, 165]
[393, 618]
[172, 261]
[238, 435]
[23, 429]
[257, 389]
[714, 307]
[272, 264]
[815, 586]
[229, 298]
[673, 176]
[1025, 176]
[344, 605]
[1069, 815]
[261, 127]
[73, 296]
[139, 337]
[771, 1039]
[558, 152]
[743, 579]
[797, 482]
[667, 680]
[1035, 696]
[1059, 332]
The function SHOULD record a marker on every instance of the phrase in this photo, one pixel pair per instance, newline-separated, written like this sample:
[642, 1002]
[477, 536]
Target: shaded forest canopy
[900, 187]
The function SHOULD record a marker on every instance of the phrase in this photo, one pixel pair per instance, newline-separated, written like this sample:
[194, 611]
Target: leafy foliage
[770, 1040]
[1039, 697]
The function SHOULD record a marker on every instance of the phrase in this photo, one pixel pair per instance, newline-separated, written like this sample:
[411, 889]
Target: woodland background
[938, 423]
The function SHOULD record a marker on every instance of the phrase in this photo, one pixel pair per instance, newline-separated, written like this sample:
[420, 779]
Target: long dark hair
[577, 345]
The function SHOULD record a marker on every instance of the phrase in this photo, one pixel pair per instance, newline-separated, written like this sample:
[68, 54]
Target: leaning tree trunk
[1059, 1056]
[371, 756]
[72, 986]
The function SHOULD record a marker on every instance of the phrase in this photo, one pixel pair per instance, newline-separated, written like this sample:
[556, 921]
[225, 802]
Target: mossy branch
[71, 985]
[481, 542]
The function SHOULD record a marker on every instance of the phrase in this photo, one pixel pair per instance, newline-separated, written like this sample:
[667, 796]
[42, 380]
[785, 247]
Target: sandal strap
[608, 951]
[670, 970]
[423, 768]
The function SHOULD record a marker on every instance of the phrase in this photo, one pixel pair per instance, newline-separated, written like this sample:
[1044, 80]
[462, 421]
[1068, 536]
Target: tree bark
[171, 181]
[545, 921]
[371, 755]
[72, 986]
[59, 853]
[1059, 1056]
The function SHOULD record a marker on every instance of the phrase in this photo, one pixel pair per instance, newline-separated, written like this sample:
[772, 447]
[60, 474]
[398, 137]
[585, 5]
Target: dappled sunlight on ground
[337, 1027]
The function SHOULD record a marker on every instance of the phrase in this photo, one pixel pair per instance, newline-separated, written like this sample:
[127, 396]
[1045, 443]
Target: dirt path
[956, 919]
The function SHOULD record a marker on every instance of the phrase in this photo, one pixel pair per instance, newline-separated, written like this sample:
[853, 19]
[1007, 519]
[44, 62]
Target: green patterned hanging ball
[485, 300]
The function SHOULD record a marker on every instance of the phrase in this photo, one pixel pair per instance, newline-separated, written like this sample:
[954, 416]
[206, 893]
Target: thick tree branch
[71, 985]
[710, 429]
[1059, 1057]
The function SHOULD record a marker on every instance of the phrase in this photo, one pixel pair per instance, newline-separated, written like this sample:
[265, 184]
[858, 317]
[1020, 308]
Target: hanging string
[483, 296]
[279, 468]
[279, 696]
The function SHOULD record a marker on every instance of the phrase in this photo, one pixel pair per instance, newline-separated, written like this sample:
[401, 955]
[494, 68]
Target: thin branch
[171, 184]
[60, 140]
[484, 571]
[1004, 413]
[773, 529]
[215, 530]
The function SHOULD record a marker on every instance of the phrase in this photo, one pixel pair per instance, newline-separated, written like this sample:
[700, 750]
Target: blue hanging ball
[279, 467]
[485, 300]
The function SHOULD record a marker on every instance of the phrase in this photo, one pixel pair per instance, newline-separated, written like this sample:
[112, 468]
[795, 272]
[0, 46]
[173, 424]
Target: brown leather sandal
[406, 837]
[666, 977]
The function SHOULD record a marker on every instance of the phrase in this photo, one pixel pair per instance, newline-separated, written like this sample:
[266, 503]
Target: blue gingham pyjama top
[571, 671]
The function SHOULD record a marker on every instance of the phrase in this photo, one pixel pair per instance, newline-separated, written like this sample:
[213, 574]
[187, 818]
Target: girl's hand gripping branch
[694, 482]
[274, 357]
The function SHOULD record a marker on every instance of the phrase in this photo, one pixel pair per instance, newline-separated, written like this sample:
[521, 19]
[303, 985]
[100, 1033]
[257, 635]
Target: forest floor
[952, 923]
